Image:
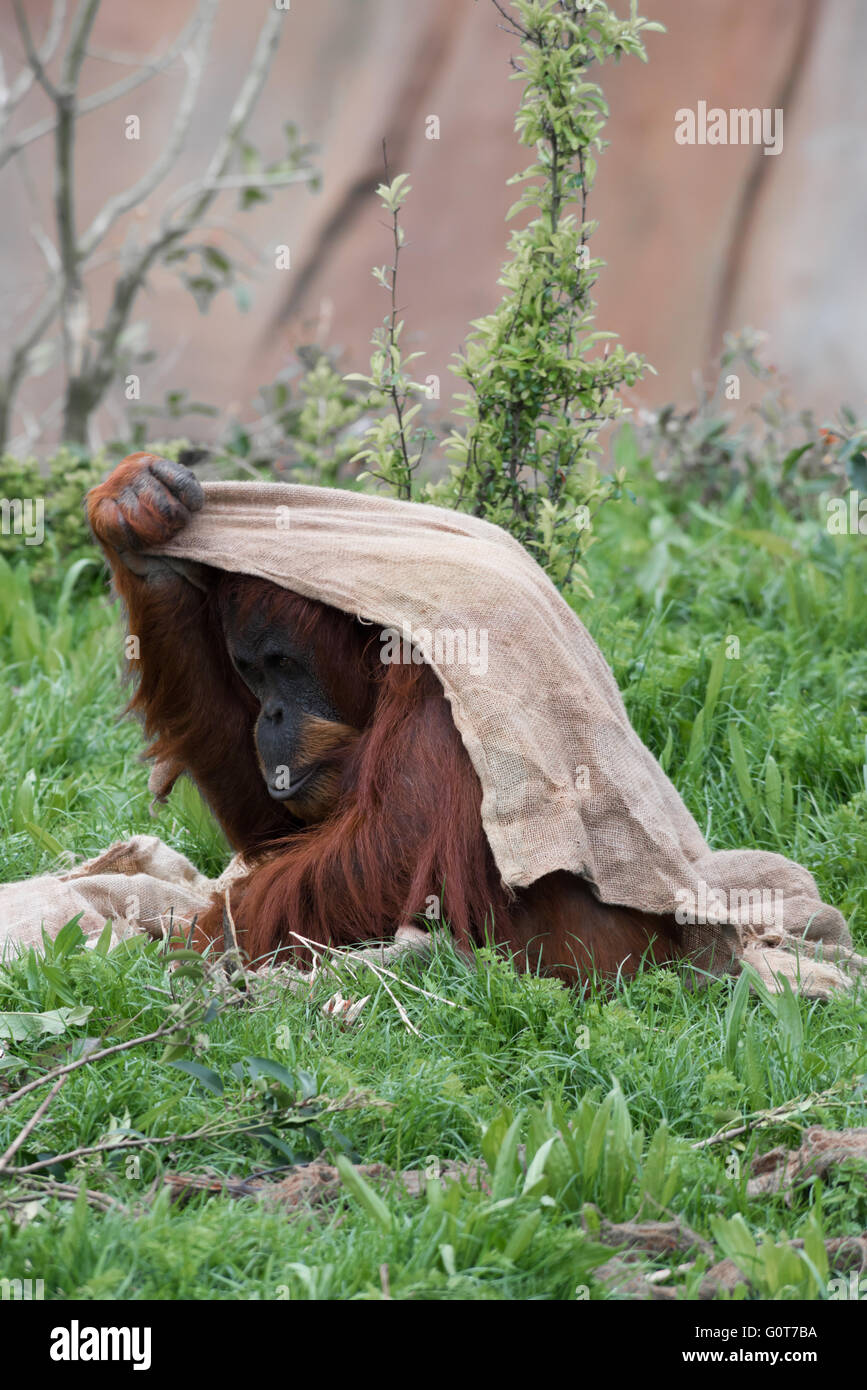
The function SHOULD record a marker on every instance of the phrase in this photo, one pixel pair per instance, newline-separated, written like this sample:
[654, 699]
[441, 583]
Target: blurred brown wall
[697, 239]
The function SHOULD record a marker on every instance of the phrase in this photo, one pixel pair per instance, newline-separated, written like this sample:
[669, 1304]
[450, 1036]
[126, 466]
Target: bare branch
[34, 426]
[11, 96]
[34, 58]
[232, 181]
[106, 55]
[517, 30]
[91, 360]
[37, 231]
[68, 292]
[227, 228]
[18, 358]
[64, 98]
[149, 67]
[86, 391]
[251, 88]
[73, 58]
[20, 1138]
[46, 246]
[164, 1031]
[123, 202]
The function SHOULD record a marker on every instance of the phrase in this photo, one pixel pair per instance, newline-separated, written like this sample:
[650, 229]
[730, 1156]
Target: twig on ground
[355, 958]
[213, 1129]
[31, 1124]
[763, 1118]
[67, 1191]
[162, 1032]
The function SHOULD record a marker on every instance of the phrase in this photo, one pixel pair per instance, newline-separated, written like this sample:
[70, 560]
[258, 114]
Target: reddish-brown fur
[404, 821]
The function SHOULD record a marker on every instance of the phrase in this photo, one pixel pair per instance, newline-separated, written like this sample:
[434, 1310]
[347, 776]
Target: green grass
[765, 738]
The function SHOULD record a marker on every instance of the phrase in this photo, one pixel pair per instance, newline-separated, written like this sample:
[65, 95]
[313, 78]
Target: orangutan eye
[279, 661]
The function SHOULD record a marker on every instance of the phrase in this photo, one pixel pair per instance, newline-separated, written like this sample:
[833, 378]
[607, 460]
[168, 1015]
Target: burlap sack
[138, 884]
[566, 782]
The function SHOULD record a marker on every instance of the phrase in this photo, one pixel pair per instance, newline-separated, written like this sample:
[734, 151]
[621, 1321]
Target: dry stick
[161, 1032]
[211, 1130]
[113, 1145]
[400, 1009]
[231, 960]
[397, 1004]
[767, 1117]
[346, 955]
[31, 1123]
[417, 989]
[147, 67]
[66, 1190]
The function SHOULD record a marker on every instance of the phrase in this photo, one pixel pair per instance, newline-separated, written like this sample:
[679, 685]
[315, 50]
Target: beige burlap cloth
[566, 782]
[140, 885]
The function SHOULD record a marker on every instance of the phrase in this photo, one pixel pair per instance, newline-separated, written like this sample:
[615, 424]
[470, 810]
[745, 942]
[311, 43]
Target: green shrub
[776, 454]
[309, 434]
[60, 483]
[542, 381]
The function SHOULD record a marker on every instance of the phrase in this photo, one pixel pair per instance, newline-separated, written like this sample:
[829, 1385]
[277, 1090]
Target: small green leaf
[364, 1193]
[103, 945]
[22, 1027]
[263, 1066]
[204, 1075]
[536, 1170]
[739, 762]
[522, 1235]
